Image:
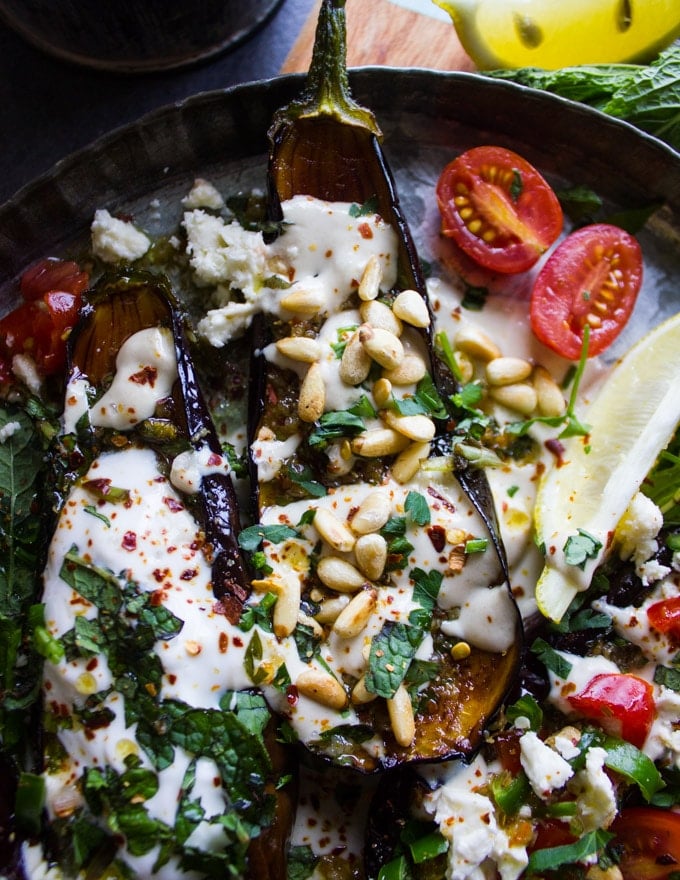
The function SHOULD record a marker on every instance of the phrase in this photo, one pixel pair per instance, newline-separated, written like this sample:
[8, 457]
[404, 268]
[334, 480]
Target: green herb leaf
[417, 507]
[668, 677]
[426, 586]
[571, 853]
[333, 425]
[551, 659]
[251, 537]
[526, 707]
[579, 548]
[392, 650]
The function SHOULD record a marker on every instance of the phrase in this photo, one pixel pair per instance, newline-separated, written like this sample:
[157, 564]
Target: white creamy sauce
[322, 254]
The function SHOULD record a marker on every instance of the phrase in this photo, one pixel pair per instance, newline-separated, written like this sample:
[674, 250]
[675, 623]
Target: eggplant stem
[327, 91]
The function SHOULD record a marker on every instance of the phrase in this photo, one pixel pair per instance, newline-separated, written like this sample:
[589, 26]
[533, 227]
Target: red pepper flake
[223, 643]
[446, 504]
[557, 449]
[129, 541]
[214, 460]
[159, 575]
[272, 396]
[238, 641]
[146, 376]
[365, 230]
[92, 664]
[156, 598]
[172, 678]
[172, 504]
[437, 536]
[188, 574]
[292, 695]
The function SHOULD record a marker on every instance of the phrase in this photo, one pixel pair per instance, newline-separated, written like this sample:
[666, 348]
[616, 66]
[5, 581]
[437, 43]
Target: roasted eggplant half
[160, 758]
[393, 633]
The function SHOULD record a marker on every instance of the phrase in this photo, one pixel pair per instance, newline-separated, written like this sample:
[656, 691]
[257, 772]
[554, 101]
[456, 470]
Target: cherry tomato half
[649, 842]
[593, 277]
[498, 209]
[40, 325]
[664, 616]
[622, 704]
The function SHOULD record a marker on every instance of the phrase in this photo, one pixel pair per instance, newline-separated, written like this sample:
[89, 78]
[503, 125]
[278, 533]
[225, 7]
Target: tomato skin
[649, 841]
[518, 223]
[621, 703]
[40, 325]
[593, 277]
[664, 616]
[52, 274]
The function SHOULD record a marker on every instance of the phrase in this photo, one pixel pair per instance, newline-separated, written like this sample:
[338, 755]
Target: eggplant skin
[121, 304]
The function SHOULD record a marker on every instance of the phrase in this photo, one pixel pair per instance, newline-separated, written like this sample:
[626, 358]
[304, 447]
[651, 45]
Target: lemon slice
[551, 34]
[631, 421]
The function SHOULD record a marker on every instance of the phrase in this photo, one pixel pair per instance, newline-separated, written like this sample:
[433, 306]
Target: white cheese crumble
[468, 821]
[636, 535]
[114, 240]
[545, 768]
[189, 467]
[596, 798]
[26, 371]
[203, 194]
[8, 430]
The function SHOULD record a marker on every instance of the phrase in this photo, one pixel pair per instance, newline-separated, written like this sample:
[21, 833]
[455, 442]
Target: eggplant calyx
[327, 90]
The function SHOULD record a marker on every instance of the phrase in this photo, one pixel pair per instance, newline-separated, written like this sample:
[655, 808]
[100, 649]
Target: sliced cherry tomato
[649, 841]
[550, 833]
[40, 325]
[622, 704]
[664, 616]
[498, 209]
[52, 274]
[593, 277]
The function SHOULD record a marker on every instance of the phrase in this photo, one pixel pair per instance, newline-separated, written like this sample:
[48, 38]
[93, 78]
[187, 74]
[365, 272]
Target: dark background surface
[50, 108]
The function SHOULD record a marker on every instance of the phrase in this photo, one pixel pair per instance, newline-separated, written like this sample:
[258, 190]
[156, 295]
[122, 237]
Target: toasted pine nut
[339, 574]
[476, 343]
[409, 372]
[303, 302]
[382, 345]
[372, 513]
[464, 364]
[407, 463]
[521, 397]
[312, 623]
[380, 316]
[287, 606]
[379, 442]
[353, 619]
[382, 391]
[355, 363]
[312, 397]
[360, 694]
[411, 308]
[507, 370]
[549, 397]
[460, 651]
[330, 608]
[370, 552]
[369, 286]
[322, 688]
[402, 720]
[334, 532]
[418, 427]
[299, 348]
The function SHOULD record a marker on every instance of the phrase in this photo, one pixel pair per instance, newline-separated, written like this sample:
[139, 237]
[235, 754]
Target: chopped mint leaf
[417, 507]
[392, 651]
[579, 548]
[252, 537]
[550, 658]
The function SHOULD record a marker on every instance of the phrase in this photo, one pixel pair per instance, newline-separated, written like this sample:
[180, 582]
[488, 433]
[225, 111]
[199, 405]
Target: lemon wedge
[583, 498]
[551, 34]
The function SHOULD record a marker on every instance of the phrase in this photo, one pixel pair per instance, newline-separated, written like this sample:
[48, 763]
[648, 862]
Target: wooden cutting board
[381, 32]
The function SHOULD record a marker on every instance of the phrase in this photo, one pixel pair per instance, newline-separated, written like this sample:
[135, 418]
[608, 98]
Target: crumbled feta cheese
[8, 430]
[663, 741]
[546, 769]
[114, 240]
[467, 819]
[596, 798]
[25, 369]
[225, 253]
[636, 533]
[203, 195]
